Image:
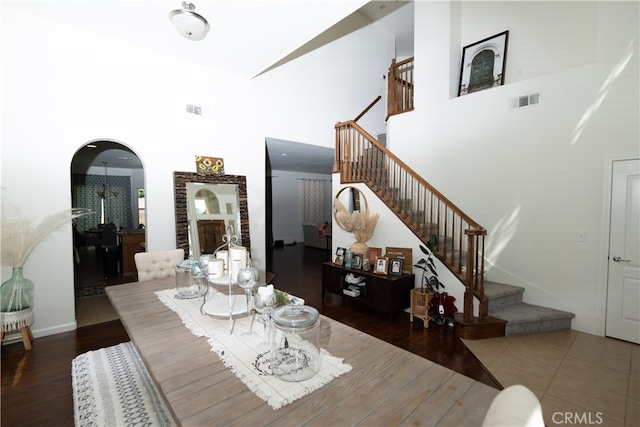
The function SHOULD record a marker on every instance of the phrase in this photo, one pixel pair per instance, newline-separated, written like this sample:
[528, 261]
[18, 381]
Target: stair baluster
[425, 211]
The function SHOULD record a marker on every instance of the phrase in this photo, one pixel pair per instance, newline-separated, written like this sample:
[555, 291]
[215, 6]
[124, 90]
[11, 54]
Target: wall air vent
[194, 109]
[524, 101]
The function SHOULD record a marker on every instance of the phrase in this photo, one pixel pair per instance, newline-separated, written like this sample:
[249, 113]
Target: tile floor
[92, 310]
[580, 379]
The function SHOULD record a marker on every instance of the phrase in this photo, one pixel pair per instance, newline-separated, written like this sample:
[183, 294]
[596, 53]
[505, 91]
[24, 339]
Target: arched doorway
[108, 178]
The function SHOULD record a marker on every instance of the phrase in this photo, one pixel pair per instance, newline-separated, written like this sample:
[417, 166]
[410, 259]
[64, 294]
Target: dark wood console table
[383, 292]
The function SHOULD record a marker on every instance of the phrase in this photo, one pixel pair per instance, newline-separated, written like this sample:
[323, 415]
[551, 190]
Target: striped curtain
[313, 201]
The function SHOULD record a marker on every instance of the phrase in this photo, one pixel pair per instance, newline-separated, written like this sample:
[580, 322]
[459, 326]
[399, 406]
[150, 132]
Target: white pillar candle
[215, 268]
[237, 260]
[223, 255]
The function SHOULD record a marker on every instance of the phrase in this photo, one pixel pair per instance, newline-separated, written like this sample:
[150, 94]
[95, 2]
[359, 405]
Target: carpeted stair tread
[501, 296]
[505, 302]
[524, 312]
[494, 290]
[523, 318]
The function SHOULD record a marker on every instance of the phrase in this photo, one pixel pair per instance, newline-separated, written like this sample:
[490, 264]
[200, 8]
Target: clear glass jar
[296, 353]
[187, 283]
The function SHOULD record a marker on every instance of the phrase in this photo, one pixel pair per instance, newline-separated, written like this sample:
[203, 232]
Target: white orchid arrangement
[356, 222]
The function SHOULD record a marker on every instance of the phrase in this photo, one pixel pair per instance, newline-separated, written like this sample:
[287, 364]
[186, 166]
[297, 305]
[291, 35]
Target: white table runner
[242, 353]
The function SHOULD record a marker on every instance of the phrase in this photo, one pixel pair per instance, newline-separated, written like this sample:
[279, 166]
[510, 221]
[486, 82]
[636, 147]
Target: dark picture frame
[381, 265]
[483, 64]
[347, 258]
[338, 258]
[395, 266]
[405, 253]
[356, 261]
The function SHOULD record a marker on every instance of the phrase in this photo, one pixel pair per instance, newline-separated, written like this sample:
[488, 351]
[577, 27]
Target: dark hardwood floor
[299, 271]
[36, 384]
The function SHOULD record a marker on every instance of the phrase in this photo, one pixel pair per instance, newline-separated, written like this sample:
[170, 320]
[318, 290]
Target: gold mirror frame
[350, 199]
[180, 180]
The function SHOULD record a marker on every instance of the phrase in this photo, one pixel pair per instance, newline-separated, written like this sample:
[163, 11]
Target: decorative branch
[20, 237]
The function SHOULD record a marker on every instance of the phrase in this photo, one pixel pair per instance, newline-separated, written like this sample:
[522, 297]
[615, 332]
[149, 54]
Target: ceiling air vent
[524, 100]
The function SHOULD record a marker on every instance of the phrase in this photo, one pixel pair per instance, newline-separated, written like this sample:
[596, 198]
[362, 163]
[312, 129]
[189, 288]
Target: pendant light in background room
[105, 193]
[188, 23]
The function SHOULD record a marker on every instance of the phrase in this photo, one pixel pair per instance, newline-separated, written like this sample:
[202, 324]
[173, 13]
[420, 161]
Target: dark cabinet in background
[131, 242]
[383, 292]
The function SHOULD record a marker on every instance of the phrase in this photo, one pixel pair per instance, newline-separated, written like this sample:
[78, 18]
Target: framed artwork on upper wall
[483, 64]
[210, 165]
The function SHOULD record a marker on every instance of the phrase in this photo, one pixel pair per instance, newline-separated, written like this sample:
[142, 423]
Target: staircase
[360, 158]
[505, 302]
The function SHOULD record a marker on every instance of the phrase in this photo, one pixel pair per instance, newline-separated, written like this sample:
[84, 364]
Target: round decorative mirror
[351, 199]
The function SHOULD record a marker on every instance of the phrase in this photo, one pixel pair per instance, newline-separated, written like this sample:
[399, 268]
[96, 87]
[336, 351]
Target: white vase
[359, 248]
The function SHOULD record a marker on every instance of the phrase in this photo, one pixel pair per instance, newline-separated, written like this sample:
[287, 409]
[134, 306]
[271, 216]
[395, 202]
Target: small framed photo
[338, 259]
[395, 266]
[381, 265]
[373, 253]
[405, 253]
[348, 255]
[483, 64]
[356, 261]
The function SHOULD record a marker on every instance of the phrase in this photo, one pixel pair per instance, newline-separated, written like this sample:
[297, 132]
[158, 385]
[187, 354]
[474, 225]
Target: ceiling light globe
[188, 23]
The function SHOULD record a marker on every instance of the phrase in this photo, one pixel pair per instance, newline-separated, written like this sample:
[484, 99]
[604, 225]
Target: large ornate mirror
[205, 206]
[352, 199]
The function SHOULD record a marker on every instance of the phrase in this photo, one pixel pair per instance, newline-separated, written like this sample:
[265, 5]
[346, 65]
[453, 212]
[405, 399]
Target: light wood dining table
[387, 385]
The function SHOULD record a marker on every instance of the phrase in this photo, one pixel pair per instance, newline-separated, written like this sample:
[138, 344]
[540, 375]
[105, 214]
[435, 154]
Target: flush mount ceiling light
[188, 23]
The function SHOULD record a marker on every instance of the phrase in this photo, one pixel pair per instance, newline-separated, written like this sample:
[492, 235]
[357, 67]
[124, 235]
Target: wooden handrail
[400, 64]
[368, 108]
[359, 157]
[404, 166]
[400, 87]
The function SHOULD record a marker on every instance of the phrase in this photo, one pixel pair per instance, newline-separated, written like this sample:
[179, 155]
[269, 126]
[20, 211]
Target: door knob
[619, 259]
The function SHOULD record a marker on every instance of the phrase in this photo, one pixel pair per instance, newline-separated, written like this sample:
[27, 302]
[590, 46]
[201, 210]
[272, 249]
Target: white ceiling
[247, 38]
[297, 157]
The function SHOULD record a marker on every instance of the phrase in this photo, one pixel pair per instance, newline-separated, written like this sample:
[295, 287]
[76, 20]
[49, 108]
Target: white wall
[287, 204]
[535, 177]
[305, 98]
[66, 87]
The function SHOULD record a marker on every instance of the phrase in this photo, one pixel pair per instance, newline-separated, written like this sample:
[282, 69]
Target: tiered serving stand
[235, 304]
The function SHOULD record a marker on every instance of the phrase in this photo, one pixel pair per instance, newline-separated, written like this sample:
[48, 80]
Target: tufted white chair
[156, 265]
[514, 406]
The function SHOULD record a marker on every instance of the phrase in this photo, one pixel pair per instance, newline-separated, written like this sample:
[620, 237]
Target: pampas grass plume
[20, 237]
[358, 223]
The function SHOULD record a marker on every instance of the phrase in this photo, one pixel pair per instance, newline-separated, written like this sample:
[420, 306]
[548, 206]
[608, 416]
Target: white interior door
[623, 292]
